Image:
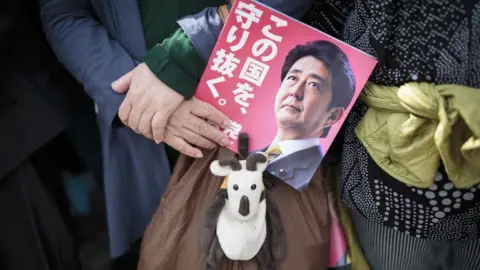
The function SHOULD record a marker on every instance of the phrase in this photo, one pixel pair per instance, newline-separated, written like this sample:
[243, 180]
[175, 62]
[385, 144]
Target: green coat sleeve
[176, 63]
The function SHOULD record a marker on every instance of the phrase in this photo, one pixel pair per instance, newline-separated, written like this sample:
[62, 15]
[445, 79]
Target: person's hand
[148, 103]
[187, 126]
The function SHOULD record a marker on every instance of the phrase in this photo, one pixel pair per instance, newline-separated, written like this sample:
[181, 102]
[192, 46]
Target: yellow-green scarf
[408, 129]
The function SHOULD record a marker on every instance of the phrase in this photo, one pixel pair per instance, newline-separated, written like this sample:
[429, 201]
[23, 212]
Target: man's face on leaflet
[302, 102]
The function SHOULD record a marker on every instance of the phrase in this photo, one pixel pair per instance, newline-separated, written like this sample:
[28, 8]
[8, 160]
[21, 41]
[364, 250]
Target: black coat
[39, 100]
[37, 96]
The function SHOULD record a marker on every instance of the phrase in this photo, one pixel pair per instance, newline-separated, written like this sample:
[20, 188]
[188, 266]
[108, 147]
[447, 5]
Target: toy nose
[244, 208]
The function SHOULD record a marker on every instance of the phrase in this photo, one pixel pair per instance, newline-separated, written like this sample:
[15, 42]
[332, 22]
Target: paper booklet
[288, 86]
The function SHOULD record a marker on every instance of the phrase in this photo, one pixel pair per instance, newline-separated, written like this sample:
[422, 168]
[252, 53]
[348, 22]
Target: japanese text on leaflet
[255, 68]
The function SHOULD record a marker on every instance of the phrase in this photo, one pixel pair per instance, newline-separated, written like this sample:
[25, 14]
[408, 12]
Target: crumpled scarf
[408, 130]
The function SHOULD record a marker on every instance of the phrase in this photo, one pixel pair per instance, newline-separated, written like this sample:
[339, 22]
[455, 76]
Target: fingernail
[226, 123]
[199, 154]
[113, 84]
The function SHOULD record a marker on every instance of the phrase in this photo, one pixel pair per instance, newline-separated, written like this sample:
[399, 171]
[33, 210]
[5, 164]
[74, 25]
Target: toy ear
[262, 166]
[218, 170]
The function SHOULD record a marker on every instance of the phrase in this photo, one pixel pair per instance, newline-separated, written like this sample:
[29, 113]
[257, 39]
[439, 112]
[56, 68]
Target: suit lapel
[286, 167]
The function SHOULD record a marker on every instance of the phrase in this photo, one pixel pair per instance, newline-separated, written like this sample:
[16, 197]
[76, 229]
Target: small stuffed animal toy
[242, 223]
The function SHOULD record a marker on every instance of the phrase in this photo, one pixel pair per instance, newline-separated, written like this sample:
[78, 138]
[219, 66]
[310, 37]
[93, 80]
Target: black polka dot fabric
[435, 41]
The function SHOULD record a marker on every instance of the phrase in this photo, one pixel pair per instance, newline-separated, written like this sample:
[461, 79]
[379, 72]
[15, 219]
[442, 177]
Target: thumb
[123, 84]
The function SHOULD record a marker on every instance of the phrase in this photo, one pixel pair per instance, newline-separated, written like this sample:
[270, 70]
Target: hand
[148, 103]
[187, 126]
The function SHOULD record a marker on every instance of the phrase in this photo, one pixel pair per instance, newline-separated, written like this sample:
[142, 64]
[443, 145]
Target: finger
[182, 146]
[158, 126]
[145, 123]
[134, 118]
[148, 135]
[196, 139]
[203, 128]
[207, 111]
[124, 111]
[123, 84]
[137, 113]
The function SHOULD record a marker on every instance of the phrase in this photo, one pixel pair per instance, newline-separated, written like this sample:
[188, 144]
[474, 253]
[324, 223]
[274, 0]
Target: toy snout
[244, 207]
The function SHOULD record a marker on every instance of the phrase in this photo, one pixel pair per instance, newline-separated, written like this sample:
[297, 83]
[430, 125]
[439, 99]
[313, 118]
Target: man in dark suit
[317, 86]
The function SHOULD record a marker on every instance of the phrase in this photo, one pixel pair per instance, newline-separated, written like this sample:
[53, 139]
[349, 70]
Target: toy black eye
[253, 186]
[235, 187]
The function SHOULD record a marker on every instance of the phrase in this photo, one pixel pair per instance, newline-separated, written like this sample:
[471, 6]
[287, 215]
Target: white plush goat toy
[242, 223]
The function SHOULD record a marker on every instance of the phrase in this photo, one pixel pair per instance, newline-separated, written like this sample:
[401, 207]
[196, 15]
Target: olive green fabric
[408, 130]
[357, 259]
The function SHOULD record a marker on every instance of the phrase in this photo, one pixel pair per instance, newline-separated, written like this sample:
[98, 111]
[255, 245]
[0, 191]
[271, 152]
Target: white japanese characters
[225, 63]
[231, 37]
[246, 14]
[254, 70]
[242, 94]
[233, 131]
